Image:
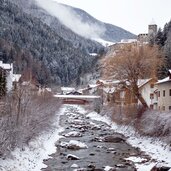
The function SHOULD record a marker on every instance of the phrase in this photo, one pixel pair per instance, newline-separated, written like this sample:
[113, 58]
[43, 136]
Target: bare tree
[25, 115]
[133, 62]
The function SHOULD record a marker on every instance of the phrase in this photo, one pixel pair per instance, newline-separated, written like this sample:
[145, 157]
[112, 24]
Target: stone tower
[152, 31]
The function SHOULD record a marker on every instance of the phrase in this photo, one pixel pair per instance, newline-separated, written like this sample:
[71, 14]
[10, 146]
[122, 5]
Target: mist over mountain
[85, 44]
[83, 23]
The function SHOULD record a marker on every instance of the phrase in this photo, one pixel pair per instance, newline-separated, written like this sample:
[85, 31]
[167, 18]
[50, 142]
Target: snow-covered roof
[16, 77]
[142, 82]
[128, 40]
[170, 71]
[110, 81]
[109, 90]
[92, 85]
[67, 89]
[167, 79]
[5, 66]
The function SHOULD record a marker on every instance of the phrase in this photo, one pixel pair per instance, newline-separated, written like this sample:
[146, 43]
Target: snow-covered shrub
[25, 115]
[156, 123]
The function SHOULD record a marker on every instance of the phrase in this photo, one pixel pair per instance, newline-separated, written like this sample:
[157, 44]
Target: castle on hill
[147, 37]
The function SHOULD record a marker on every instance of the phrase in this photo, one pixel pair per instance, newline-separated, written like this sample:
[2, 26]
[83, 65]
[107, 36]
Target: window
[169, 107]
[170, 92]
[159, 107]
[151, 106]
[158, 93]
[151, 85]
[151, 96]
[163, 107]
[163, 93]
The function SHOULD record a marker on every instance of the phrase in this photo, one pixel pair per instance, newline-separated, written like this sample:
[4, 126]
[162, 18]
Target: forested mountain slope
[34, 46]
[163, 39]
[84, 44]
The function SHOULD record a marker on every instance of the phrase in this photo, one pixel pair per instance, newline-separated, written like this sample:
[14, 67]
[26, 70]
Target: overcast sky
[132, 15]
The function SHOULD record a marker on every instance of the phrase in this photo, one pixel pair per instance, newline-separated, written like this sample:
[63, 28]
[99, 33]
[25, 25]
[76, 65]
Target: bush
[24, 116]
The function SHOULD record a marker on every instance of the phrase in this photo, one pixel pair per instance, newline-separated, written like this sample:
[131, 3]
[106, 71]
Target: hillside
[163, 39]
[111, 32]
[84, 44]
[42, 46]
[34, 46]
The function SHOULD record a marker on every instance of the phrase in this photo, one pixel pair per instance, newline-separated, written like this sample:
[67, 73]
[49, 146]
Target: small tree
[2, 83]
[133, 62]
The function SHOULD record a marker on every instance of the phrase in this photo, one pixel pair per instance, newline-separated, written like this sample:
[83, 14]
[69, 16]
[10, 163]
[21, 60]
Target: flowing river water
[104, 149]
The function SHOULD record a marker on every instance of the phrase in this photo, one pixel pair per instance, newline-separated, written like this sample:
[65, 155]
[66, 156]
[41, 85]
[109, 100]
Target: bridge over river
[78, 99]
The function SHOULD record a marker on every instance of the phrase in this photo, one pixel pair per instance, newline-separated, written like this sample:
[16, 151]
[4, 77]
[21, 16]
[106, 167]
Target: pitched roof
[167, 79]
[142, 82]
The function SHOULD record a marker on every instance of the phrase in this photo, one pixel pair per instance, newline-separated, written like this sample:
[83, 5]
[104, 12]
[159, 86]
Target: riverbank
[106, 145]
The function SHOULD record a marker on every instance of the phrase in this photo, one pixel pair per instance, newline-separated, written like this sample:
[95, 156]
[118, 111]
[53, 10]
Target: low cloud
[69, 18]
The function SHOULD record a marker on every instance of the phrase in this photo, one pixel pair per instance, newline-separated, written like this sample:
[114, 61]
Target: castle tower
[152, 30]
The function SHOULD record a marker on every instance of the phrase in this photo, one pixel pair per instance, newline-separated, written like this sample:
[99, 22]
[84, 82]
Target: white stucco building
[147, 89]
[10, 76]
[164, 93]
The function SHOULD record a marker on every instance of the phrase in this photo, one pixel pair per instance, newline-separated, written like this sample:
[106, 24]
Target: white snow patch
[141, 163]
[74, 166]
[72, 156]
[97, 117]
[93, 54]
[108, 168]
[78, 144]
[136, 159]
[31, 159]
[72, 134]
[103, 42]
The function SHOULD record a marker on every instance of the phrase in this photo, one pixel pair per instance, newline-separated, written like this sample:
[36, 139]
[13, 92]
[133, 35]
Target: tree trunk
[139, 96]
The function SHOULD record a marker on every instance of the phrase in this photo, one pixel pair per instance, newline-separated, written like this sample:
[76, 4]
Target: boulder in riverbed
[159, 167]
[72, 157]
[114, 139]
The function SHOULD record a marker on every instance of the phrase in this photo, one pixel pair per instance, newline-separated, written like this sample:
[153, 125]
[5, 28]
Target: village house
[120, 93]
[147, 89]
[164, 93]
[10, 78]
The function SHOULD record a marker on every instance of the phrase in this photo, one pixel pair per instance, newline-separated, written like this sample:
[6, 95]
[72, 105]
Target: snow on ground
[73, 144]
[152, 146]
[104, 42]
[108, 168]
[78, 143]
[93, 54]
[73, 134]
[31, 159]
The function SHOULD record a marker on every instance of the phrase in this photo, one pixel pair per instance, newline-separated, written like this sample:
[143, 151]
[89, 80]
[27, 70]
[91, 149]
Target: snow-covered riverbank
[31, 158]
[160, 152]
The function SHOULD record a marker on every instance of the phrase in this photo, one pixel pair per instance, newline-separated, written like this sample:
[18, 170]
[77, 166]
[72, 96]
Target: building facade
[147, 90]
[9, 76]
[148, 37]
[164, 93]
